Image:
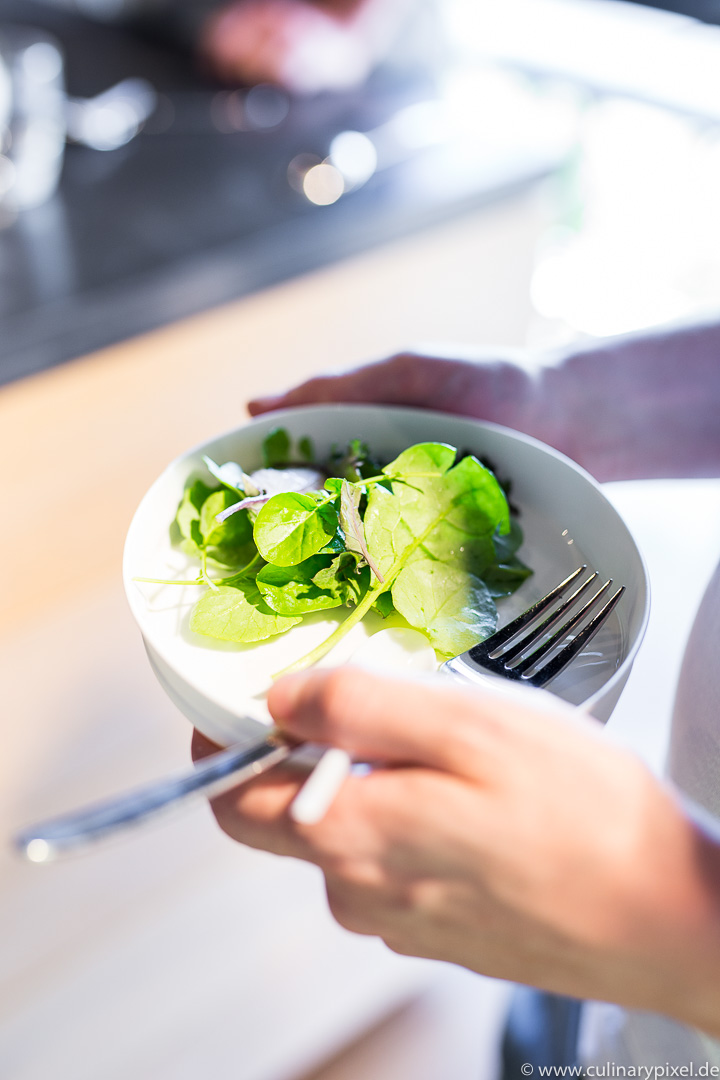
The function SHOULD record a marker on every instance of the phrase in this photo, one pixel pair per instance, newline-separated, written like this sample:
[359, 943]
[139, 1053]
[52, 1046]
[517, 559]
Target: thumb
[412, 722]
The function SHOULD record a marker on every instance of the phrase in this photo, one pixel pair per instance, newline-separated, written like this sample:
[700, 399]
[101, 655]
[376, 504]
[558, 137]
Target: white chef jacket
[615, 1036]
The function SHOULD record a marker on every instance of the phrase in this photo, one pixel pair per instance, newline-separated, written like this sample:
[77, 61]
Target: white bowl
[565, 517]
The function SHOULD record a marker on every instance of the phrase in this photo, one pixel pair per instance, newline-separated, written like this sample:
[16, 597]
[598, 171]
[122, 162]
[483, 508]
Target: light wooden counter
[177, 954]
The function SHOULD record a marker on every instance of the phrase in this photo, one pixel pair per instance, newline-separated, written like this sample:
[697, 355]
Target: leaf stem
[205, 576]
[364, 606]
[248, 566]
[169, 581]
[369, 480]
[337, 635]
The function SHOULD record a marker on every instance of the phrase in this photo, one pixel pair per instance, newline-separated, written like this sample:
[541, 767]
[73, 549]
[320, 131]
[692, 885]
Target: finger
[400, 380]
[365, 901]
[258, 814]
[202, 747]
[373, 717]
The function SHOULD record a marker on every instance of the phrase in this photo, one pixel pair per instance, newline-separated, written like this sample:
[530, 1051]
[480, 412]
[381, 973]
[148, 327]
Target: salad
[429, 536]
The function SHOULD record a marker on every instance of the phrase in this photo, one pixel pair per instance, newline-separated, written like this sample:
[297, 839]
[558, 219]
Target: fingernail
[284, 696]
[316, 795]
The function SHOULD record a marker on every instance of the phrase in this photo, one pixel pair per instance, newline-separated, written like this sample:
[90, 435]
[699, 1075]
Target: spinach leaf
[509, 572]
[452, 513]
[335, 545]
[507, 544]
[436, 533]
[422, 460]
[355, 463]
[291, 527]
[236, 611]
[294, 590]
[384, 605]
[276, 448]
[229, 542]
[443, 526]
[505, 578]
[345, 578]
[453, 607]
[306, 449]
[189, 509]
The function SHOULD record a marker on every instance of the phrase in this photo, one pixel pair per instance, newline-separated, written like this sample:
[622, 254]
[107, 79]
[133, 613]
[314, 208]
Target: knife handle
[212, 776]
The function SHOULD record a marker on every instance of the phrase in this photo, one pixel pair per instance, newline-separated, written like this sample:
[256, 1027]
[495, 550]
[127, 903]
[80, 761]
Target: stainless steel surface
[212, 776]
[32, 119]
[522, 659]
[210, 201]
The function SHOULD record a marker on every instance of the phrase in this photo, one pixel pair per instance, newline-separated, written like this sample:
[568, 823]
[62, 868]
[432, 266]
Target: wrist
[673, 935]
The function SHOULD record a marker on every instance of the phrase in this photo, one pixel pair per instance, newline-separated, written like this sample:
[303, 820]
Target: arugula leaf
[453, 607]
[352, 526]
[291, 527]
[236, 611]
[276, 448]
[294, 590]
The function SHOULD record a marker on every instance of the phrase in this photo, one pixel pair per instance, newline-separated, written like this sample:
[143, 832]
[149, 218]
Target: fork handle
[211, 776]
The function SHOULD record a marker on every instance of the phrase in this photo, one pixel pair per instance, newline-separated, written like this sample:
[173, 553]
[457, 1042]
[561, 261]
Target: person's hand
[504, 835]
[488, 386]
[302, 45]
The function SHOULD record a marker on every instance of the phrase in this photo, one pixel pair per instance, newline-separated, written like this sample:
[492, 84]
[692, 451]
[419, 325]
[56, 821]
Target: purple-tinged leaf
[352, 526]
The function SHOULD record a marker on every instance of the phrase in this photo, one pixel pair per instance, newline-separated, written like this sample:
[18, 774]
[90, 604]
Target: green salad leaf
[306, 449]
[433, 538]
[276, 448]
[229, 543]
[452, 606]
[189, 511]
[352, 525]
[292, 526]
[237, 611]
[426, 539]
[296, 590]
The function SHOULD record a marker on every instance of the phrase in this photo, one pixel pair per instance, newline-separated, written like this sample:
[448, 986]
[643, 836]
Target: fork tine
[484, 648]
[563, 632]
[537, 633]
[574, 647]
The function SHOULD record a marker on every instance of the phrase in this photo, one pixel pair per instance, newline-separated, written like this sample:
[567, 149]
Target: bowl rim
[616, 680]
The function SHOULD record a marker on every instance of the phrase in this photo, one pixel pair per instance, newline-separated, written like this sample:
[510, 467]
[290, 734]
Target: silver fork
[222, 771]
[510, 656]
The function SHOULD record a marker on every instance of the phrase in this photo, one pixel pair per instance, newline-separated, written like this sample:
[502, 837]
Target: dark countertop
[184, 218]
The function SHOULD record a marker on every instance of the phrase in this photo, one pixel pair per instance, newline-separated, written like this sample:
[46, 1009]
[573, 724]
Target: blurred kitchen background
[513, 174]
[177, 192]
